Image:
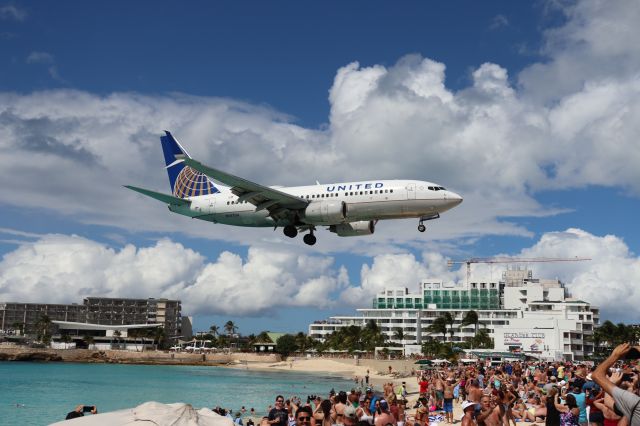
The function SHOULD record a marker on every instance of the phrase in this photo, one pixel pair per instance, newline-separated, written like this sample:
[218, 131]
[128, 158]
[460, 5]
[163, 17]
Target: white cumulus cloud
[65, 269]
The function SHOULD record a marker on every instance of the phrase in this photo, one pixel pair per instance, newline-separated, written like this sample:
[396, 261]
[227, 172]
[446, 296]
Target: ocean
[41, 393]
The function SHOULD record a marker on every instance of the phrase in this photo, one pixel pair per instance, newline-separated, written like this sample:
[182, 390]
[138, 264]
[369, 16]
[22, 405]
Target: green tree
[88, 339]
[398, 334]
[438, 326]
[471, 318]
[214, 329]
[431, 347]
[18, 326]
[230, 327]
[43, 329]
[117, 334]
[286, 345]
[482, 340]
[66, 339]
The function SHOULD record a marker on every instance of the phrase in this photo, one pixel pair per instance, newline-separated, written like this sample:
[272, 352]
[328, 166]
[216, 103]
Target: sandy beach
[351, 368]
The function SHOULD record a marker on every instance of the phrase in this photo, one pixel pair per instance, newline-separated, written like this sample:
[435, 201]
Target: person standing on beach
[366, 378]
[468, 409]
[278, 415]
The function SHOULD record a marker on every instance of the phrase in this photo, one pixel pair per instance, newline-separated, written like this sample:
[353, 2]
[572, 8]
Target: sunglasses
[304, 418]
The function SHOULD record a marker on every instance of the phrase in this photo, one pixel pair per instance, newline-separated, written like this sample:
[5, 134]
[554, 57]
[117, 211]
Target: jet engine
[325, 212]
[353, 229]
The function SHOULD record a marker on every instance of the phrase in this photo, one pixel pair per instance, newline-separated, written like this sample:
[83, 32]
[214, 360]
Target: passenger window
[360, 192]
[391, 190]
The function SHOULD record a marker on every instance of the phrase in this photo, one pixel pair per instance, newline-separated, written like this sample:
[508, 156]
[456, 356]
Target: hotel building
[521, 313]
[99, 317]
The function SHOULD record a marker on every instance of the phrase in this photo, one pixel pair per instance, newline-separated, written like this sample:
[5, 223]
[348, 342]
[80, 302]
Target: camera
[87, 408]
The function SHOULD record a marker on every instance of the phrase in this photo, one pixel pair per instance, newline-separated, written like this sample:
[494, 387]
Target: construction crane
[468, 262]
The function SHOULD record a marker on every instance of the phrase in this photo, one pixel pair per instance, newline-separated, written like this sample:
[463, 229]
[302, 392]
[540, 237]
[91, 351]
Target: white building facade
[521, 313]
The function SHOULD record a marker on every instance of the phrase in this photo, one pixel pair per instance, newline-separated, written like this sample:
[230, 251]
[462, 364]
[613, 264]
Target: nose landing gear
[421, 226]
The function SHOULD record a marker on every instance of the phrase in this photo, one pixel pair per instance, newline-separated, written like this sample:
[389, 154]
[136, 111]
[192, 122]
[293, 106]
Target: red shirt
[423, 386]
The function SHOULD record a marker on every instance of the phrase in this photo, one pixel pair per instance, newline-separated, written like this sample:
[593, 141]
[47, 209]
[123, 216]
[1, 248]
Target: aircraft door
[212, 205]
[411, 191]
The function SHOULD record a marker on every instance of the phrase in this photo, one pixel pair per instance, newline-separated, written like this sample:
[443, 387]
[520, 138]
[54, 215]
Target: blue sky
[526, 109]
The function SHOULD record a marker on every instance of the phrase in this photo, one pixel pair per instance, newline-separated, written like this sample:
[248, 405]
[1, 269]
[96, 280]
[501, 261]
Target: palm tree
[449, 320]
[117, 335]
[19, 326]
[439, 325]
[88, 340]
[43, 328]
[214, 329]
[372, 336]
[230, 327]
[66, 339]
[482, 340]
[398, 334]
[471, 317]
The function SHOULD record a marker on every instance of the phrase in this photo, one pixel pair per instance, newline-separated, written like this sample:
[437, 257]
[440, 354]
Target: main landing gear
[421, 226]
[309, 239]
[291, 232]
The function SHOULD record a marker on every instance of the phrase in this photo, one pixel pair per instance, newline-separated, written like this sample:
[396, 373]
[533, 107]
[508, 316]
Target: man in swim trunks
[438, 385]
[448, 400]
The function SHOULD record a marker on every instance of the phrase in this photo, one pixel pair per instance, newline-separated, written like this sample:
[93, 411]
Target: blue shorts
[448, 405]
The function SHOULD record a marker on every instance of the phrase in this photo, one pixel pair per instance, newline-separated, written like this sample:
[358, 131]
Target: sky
[529, 110]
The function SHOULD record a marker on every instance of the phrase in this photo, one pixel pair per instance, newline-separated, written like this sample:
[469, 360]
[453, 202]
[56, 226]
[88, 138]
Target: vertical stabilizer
[184, 181]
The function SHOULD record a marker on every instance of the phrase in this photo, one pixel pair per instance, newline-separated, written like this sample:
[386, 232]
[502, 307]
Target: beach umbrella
[423, 362]
[178, 414]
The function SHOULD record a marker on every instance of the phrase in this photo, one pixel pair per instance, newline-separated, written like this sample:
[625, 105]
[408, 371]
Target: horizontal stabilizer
[169, 199]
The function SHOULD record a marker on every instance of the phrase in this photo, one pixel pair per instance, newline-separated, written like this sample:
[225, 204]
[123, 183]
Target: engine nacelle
[353, 229]
[325, 212]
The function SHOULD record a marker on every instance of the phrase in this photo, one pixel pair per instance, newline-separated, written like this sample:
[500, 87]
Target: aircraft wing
[261, 196]
[169, 199]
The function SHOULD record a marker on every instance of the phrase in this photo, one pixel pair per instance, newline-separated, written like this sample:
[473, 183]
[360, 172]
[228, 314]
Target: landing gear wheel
[290, 231]
[422, 228]
[309, 239]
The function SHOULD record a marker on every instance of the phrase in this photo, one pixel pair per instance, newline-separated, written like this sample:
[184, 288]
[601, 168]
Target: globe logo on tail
[190, 183]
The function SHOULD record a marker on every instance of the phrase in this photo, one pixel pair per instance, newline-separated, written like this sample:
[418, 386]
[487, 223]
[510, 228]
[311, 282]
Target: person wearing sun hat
[468, 408]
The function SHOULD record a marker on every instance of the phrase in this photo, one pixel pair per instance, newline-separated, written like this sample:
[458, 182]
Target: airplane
[346, 209]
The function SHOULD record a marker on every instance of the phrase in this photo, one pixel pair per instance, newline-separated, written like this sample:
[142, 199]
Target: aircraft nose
[455, 198]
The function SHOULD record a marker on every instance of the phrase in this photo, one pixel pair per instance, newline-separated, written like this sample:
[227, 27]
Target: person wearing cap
[382, 416]
[468, 408]
[350, 416]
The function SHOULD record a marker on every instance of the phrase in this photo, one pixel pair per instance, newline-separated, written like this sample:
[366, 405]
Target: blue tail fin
[185, 182]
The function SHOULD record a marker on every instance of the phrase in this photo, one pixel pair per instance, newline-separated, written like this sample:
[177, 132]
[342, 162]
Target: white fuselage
[369, 200]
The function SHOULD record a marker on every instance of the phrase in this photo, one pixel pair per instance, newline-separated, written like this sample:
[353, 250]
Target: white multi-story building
[521, 313]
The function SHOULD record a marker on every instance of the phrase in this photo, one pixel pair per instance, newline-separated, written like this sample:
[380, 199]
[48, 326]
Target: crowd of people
[555, 394]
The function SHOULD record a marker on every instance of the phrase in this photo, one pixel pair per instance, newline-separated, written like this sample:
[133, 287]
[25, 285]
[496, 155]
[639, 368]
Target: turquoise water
[46, 392]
